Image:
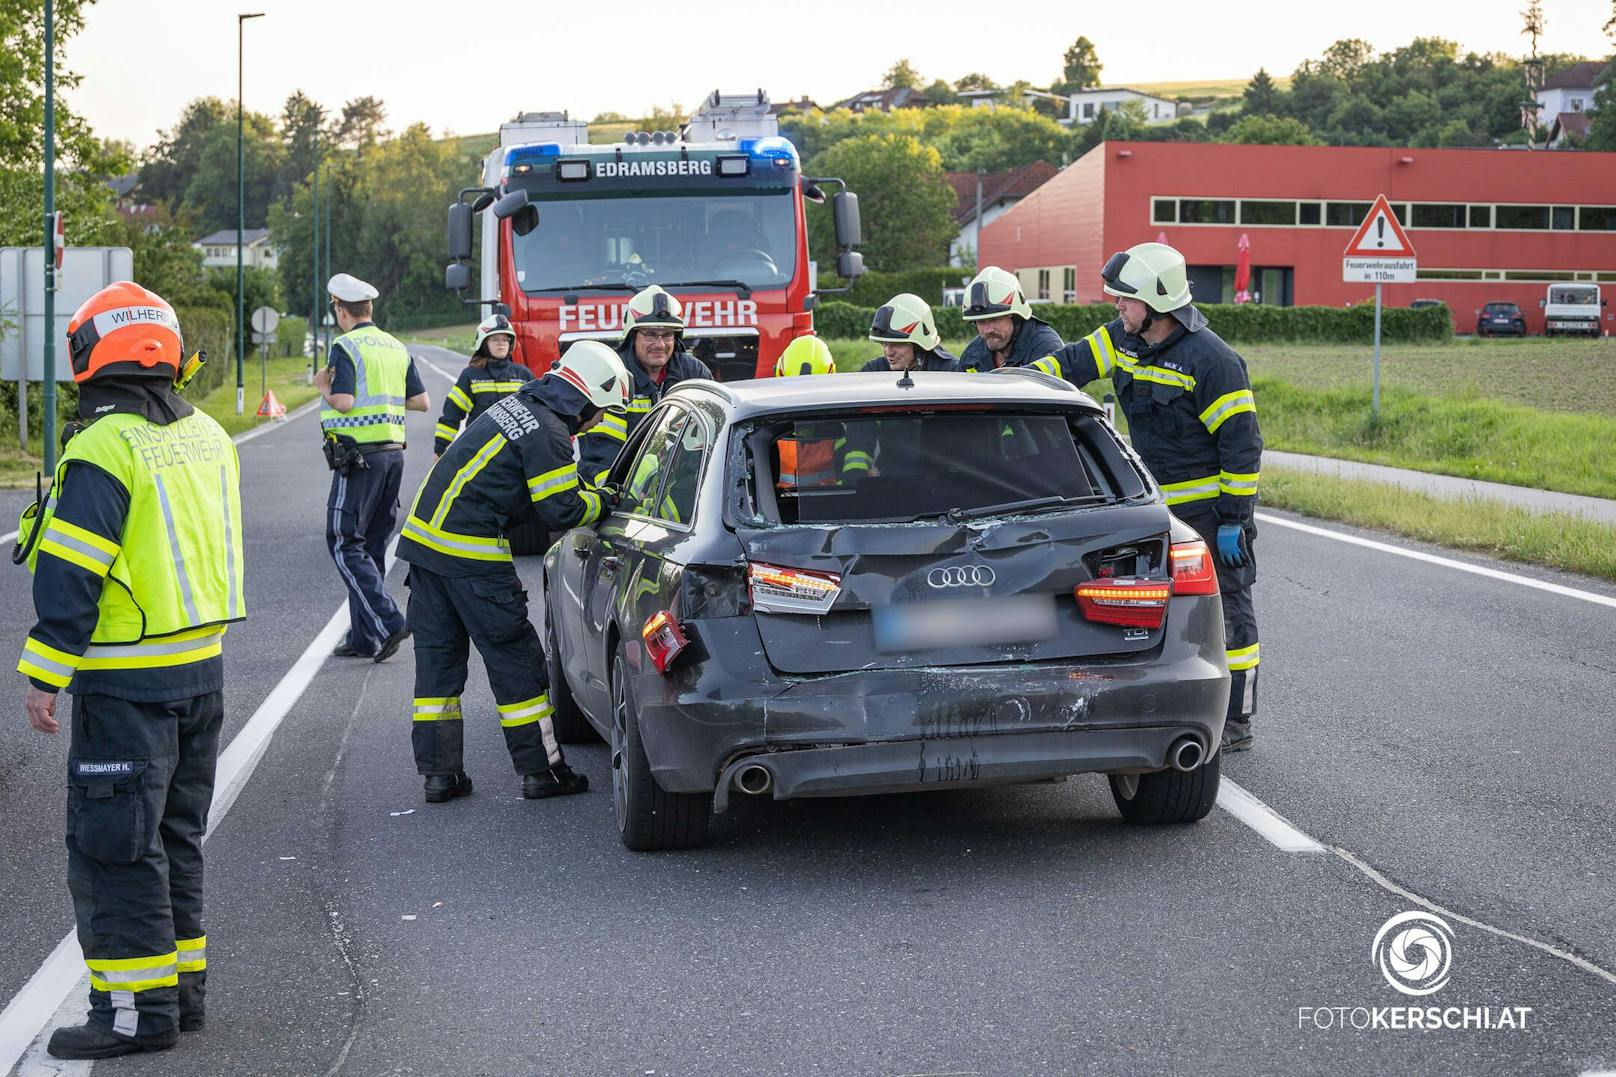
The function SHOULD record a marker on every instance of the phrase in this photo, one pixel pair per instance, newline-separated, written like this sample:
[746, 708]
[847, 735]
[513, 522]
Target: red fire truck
[715, 214]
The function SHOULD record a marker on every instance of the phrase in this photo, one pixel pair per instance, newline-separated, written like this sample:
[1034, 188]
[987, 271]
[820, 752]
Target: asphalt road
[1451, 732]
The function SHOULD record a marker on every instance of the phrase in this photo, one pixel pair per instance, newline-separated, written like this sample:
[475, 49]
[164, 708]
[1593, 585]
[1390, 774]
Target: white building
[1571, 90]
[219, 249]
[1084, 106]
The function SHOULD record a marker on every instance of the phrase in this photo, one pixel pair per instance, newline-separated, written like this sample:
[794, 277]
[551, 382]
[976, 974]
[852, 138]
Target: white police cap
[350, 289]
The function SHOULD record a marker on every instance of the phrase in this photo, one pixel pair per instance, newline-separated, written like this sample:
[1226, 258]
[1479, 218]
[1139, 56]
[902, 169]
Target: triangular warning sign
[1380, 236]
[271, 408]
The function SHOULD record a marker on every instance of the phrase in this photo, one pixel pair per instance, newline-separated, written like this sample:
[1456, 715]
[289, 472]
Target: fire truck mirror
[845, 208]
[525, 220]
[459, 231]
[508, 205]
[849, 264]
[457, 276]
[812, 192]
[502, 308]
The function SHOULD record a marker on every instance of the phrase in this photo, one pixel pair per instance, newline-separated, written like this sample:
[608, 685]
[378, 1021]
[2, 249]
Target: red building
[1486, 224]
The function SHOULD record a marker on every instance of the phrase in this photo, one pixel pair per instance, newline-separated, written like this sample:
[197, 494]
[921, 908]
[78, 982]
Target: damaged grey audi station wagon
[861, 583]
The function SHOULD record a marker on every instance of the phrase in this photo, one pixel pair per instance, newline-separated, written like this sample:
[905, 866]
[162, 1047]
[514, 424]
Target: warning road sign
[1380, 251]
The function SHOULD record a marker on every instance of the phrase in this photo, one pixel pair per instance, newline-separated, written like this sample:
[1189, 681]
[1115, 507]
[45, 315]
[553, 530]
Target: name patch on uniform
[87, 768]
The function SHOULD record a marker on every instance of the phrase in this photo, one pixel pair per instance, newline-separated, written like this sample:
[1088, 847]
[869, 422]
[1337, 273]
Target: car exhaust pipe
[1185, 754]
[754, 779]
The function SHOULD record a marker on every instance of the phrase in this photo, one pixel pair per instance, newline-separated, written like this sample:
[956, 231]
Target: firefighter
[369, 382]
[908, 337]
[1193, 420]
[138, 567]
[511, 463]
[815, 454]
[1006, 332]
[653, 353]
[491, 374]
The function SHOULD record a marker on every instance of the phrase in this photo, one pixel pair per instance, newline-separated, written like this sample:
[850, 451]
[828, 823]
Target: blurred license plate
[964, 623]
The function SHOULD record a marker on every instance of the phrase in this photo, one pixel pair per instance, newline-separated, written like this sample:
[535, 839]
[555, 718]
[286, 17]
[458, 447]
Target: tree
[208, 200]
[907, 203]
[361, 124]
[1261, 95]
[303, 137]
[177, 154]
[1602, 120]
[902, 74]
[1081, 69]
[939, 93]
[975, 81]
[1270, 130]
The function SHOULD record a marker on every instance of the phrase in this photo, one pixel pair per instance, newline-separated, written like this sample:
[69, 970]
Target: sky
[464, 68]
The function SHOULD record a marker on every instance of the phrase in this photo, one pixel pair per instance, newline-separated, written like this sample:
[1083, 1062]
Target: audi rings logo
[1414, 951]
[962, 576]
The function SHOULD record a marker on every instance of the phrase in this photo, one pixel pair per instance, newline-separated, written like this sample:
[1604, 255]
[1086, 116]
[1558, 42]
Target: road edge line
[1278, 830]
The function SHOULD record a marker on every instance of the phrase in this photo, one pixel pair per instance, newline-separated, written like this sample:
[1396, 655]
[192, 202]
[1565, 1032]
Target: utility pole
[328, 201]
[241, 222]
[48, 250]
[314, 261]
[978, 226]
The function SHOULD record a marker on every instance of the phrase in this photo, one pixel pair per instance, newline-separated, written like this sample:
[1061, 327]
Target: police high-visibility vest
[381, 365]
[176, 576]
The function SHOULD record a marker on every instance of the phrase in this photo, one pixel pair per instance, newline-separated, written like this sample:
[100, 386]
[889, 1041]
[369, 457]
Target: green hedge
[876, 287]
[213, 330]
[1247, 323]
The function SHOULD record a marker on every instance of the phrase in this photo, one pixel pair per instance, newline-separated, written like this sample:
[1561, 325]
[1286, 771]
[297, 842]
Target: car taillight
[664, 640]
[1132, 603]
[791, 590]
[1193, 571]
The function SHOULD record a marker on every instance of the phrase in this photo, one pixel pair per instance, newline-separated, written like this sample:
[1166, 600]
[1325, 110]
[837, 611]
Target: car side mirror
[457, 276]
[459, 231]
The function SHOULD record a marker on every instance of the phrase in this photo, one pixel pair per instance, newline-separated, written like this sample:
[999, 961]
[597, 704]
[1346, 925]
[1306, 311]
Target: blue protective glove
[1230, 552]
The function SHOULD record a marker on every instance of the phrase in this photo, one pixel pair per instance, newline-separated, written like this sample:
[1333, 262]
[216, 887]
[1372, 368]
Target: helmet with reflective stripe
[1152, 273]
[122, 331]
[492, 326]
[805, 355]
[653, 308]
[994, 293]
[594, 370]
[905, 319]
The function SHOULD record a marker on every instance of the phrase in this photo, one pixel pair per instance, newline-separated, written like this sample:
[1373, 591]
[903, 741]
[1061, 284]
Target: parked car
[1500, 319]
[985, 587]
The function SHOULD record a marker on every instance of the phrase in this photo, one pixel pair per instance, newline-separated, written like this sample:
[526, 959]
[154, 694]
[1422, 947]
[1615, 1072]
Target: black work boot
[442, 787]
[558, 781]
[193, 1002]
[93, 1041]
[1237, 735]
[391, 644]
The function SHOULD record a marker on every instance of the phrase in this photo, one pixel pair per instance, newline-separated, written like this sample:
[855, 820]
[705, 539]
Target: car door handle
[611, 563]
[580, 552]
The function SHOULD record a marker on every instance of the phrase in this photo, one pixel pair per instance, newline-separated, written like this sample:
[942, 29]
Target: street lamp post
[48, 251]
[314, 261]
[241, 222]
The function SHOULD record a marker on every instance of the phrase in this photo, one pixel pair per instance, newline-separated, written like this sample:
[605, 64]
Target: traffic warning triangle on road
[271, 408]
[1380, 236]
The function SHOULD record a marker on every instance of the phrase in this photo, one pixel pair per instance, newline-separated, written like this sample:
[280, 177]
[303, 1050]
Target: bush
[212, 330]
[291, 334]
[876, 287]
[1248, 323]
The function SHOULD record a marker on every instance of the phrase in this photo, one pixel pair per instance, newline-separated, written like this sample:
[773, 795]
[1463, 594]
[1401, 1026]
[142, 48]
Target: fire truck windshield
[629, 242]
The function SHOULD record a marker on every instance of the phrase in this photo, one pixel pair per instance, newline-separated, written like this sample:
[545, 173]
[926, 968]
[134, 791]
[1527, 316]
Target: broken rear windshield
[893, 468]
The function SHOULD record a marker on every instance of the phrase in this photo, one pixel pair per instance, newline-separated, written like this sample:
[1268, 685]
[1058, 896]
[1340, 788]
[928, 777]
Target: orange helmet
[125, 330]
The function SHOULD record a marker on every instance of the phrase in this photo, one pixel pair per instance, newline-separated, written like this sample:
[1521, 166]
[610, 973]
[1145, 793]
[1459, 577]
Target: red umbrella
[1161, 237]
[1242, 271]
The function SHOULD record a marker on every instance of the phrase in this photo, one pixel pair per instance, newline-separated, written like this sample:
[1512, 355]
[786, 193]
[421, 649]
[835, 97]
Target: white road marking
[39, 1008]
[436, 369]
[264, 428]
[7, 537]
[1279, 831]
[1445, 562]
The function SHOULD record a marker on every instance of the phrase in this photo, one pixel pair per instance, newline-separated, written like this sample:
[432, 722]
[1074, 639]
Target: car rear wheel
[1168, 796]
[569, 723]
[649, 818]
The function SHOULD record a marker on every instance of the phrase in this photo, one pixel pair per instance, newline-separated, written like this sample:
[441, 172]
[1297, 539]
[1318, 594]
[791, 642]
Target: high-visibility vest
[381, 365]
[809, 463]
[176, 576]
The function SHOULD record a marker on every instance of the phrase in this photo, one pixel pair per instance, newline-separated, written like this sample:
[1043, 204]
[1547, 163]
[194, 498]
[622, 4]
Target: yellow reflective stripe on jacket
[526, 712]
[1227, 406]
[496, 386]
[467, 472]
[640, 405]
[134, 973]
[1048, 364]
[592, 507]
[1104, 352]
[437, 708]
[613, 426]
[176, 650]
[192, 953]
[1191, 490]
[1161, 376]
[77, 546]
[1241, 485]
[856, 460]
[472, 547]
[458, 396]
[553, 482]
[447, 432]
[46, 663]
[1244, 658]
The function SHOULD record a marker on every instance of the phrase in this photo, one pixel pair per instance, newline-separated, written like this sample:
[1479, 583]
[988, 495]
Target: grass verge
[458, 338]
[288, 378]
[1554, 540]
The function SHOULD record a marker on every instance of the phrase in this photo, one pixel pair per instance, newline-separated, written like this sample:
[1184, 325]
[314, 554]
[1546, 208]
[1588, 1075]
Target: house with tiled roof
[1000, 191]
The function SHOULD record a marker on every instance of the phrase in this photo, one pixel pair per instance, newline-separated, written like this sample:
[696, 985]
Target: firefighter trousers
[446, 615]
[140, 781]
[361, 513]
[1239, 614]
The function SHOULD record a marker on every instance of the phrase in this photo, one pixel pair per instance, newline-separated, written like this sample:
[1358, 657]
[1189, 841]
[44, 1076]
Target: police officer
[1193, 420]
[1007, 334]
[653, 352]
[491, 374]
[369, 382]
[138, 567]
[908, 336]
[512, 462]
